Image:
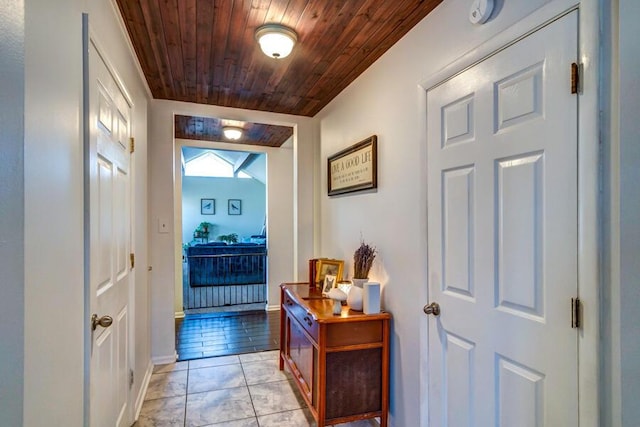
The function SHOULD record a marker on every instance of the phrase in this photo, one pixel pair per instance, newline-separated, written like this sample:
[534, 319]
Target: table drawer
[302, 316]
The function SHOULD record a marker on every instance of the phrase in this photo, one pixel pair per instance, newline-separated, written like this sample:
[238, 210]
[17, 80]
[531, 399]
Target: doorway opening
[221, 252]
[223, 230]
[224, 269]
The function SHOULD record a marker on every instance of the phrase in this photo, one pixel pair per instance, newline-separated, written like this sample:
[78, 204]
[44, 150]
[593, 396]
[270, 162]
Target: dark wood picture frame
[354, 168]
[234, 207]
[207, 206]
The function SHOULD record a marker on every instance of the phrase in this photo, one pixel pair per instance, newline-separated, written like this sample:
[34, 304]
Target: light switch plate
[163, 225]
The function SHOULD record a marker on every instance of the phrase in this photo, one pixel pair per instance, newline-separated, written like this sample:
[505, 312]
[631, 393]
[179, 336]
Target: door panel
[110, 245]
[301, 352]
[519, 208]
[459, 371]
[102, 363]
[122, 377]
[520, 395]
[502, 235]
[457, 232]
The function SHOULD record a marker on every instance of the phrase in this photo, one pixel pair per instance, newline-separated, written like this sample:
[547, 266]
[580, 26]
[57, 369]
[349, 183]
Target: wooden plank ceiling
[210, 129]
[204, 51]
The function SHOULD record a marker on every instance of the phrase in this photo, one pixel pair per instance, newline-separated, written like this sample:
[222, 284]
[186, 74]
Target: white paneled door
[110, 219]
[502, 236]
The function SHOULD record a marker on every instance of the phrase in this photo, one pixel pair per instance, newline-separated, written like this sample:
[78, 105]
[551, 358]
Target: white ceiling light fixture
[231, 132]
[276, 40]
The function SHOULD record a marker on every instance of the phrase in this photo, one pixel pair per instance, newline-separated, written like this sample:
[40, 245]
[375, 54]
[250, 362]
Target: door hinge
[132, 258]
[131, 377]
[576, 78]
[576, 313]
[132, 145]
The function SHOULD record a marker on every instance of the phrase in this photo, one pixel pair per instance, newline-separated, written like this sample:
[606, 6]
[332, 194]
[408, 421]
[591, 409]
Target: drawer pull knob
[308, 321]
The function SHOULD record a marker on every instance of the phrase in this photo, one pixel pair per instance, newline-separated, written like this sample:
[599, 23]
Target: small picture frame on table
[330, 282]
[326, 266]
[207, 206]
[235, 207]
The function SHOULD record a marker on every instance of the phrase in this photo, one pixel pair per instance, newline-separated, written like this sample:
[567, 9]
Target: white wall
[630, 210]
[54, 351]
[290, 207]
[258, 168]
[54, 356]
[387, 101]
[251, 192]
[283, 248]
[622, 361]
[11, 210]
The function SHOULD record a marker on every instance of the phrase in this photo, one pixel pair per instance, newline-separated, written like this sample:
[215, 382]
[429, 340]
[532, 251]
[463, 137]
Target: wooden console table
[340, 363]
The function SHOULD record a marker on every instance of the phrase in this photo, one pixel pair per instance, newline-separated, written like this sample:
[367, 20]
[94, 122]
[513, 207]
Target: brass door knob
[432, 308]
[104, 321]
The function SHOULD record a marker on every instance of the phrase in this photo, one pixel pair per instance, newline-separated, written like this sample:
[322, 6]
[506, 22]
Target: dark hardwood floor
[223, 334]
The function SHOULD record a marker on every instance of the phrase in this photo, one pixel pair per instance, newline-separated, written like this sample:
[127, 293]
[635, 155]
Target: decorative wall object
[354, 169]
[313, 264]
[363, 260]
[354, 298]
[235, 207]
[207, 206]
[371, 298]
[201, 233]
[338, 297]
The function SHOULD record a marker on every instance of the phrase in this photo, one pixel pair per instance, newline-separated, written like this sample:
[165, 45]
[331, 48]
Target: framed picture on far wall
[235, 207]
[207, 206]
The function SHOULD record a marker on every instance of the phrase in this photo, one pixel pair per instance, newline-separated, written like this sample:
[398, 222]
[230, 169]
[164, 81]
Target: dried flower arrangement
[363, 259]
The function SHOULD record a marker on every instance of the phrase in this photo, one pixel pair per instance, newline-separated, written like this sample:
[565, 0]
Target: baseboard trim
[143, 390]
[163, 360]
[273, 307]
[179, 315]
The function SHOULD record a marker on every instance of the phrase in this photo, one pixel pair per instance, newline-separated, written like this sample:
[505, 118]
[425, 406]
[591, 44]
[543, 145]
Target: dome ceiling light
[276, 40]
[231, 132]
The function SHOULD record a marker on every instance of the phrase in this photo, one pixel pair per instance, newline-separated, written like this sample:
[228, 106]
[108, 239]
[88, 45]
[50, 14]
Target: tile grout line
[245, 377]
[244, 374]
[186, 394]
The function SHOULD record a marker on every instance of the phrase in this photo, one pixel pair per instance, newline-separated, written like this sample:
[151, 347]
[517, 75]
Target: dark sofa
[216, 263]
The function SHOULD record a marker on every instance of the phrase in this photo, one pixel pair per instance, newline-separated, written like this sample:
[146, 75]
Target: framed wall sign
[207, 206]
[354, 169]
[235, 207]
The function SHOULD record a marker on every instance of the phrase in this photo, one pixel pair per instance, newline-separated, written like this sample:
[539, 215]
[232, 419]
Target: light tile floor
[246, 390]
